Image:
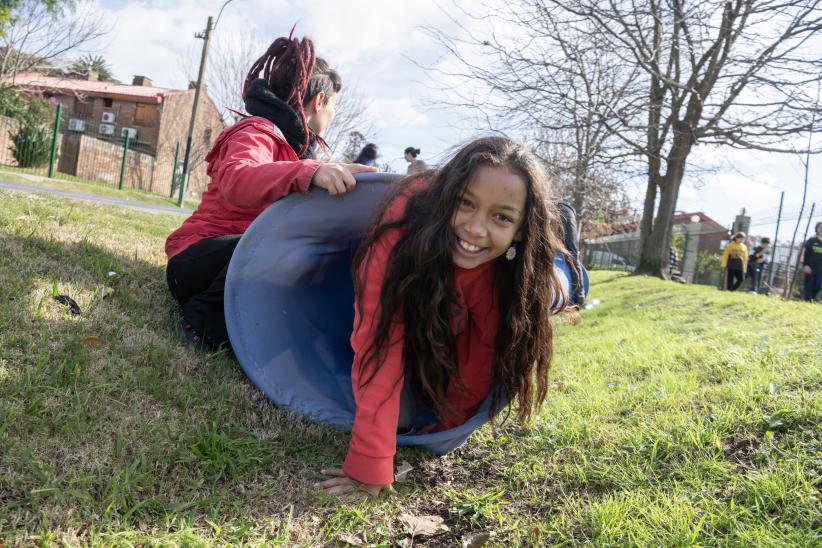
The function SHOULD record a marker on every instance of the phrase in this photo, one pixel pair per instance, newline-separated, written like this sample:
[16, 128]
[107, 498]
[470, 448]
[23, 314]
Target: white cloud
[372, 44]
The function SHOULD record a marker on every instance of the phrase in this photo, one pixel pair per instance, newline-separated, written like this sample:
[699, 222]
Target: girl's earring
[511, 253]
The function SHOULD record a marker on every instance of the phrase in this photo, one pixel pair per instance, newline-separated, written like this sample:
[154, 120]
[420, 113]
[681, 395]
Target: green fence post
[125, 157]
[183, 185]
[174, 171]
[54, 136]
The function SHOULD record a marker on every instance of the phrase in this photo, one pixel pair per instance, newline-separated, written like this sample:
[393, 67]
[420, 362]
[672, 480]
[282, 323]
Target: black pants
[813, 284]
[196, 278]
[755, 273]
[734, 279]
[571, 241]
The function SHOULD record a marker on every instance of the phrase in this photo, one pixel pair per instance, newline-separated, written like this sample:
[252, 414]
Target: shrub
[31, 145]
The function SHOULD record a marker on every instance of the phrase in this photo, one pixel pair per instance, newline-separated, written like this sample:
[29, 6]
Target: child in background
[735, 261]
[454, 291]
[812, 265]
[253, 163]
[756, 263]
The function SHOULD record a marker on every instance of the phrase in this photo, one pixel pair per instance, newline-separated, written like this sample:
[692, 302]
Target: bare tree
[36, 37]
[605, 202]
[732, 72]
[552, 86]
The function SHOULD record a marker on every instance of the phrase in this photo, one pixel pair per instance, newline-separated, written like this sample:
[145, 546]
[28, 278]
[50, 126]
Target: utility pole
[206, 36]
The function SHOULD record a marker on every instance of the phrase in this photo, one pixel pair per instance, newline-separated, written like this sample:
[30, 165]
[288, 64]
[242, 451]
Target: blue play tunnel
[289, 305]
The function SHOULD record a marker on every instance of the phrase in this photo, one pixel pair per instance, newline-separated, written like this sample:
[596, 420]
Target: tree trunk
[655, 247]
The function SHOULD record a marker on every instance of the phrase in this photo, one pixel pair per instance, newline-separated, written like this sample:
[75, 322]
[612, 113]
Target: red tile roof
[140, 94]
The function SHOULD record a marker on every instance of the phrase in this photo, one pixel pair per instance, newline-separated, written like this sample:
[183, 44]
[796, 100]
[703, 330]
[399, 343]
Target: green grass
[680, 416]
[62, 181]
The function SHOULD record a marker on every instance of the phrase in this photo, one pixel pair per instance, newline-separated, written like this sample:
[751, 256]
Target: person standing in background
[756, 263]
[414, 165]
[735, 262]
[812, 265]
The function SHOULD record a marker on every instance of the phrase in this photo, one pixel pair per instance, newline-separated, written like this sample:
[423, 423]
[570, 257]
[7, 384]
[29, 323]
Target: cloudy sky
[380, 48]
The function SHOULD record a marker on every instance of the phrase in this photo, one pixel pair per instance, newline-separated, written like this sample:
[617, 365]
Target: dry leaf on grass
[422, 525]
[92, 341]
[107, 292]
[405, 543]
[357, 539]
[477, 540]
[557, 385]
[402, 472]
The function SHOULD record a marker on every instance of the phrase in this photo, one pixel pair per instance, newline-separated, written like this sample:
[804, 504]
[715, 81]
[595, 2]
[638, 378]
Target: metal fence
[81, 148]
[622, 253]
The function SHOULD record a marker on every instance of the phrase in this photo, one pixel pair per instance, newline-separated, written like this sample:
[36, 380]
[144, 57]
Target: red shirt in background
[474, 323]
[251, 165]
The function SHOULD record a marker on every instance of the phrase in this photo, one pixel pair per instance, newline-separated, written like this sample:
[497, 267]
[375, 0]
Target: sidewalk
[88, 197]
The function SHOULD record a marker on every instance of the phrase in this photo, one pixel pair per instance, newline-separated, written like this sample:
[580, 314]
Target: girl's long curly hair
[295, 74]
[416, 286]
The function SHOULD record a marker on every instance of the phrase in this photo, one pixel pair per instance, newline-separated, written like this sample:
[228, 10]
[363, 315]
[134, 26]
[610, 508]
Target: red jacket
[251, 165]
[370, 456]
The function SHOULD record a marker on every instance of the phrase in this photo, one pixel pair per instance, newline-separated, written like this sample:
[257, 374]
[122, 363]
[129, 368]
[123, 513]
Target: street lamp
[205, 36]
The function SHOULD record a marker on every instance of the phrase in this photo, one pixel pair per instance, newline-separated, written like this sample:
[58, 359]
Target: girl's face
[408, 157]
[321, 112]
[489, 216]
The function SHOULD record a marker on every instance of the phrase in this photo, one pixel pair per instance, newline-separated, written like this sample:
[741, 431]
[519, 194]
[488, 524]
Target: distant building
[97, 114]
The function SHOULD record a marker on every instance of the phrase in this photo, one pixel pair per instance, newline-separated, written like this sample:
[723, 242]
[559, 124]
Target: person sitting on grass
[291, 96]
[735, 261]
[454, 291]
[812, 265]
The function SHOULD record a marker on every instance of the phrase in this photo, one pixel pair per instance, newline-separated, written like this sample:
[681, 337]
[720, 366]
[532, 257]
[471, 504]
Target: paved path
[120, 202]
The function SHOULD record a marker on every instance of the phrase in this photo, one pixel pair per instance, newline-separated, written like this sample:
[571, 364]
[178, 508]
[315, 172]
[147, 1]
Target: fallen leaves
[402, 472]
[422, 525]
[353, 539]
[477, 540]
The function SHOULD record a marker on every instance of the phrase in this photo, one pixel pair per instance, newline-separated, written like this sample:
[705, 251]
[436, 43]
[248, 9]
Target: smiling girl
[454, 290]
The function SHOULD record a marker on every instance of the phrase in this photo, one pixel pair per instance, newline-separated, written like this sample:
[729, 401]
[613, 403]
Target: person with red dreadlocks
[290, 95]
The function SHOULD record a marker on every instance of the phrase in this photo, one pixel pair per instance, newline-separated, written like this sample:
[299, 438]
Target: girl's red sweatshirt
[251, 165]
[474, 321]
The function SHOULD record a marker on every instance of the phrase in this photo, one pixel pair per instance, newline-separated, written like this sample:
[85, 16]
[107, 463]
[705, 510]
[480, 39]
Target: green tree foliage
[91, 63]
[31, 145]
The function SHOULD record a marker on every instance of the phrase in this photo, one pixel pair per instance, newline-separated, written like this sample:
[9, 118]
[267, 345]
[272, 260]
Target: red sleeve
[370, 456]
[251, 177]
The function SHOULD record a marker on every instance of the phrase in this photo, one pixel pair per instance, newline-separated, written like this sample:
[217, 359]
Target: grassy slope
[680, 415]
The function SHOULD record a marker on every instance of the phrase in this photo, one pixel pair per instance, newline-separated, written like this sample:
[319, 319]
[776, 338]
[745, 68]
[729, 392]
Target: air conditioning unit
[106, 129]
[109, 117]
[130, 131]
[75, 124]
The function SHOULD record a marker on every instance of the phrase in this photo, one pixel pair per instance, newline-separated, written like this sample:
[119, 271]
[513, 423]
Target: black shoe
[187, 332]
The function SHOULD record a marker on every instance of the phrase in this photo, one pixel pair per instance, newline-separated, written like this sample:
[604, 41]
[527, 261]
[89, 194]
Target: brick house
[98, 115]
[620, 246]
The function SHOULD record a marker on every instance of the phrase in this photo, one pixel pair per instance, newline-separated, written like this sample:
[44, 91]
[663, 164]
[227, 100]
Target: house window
[107, 102]
[145, 115]
[83, 108]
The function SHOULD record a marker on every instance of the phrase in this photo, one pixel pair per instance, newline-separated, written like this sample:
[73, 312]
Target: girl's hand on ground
[338, 178]
[340, 483]
[806, 269]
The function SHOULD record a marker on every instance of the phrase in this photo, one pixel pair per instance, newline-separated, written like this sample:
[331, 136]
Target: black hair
[412, 151]
[367, 154]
